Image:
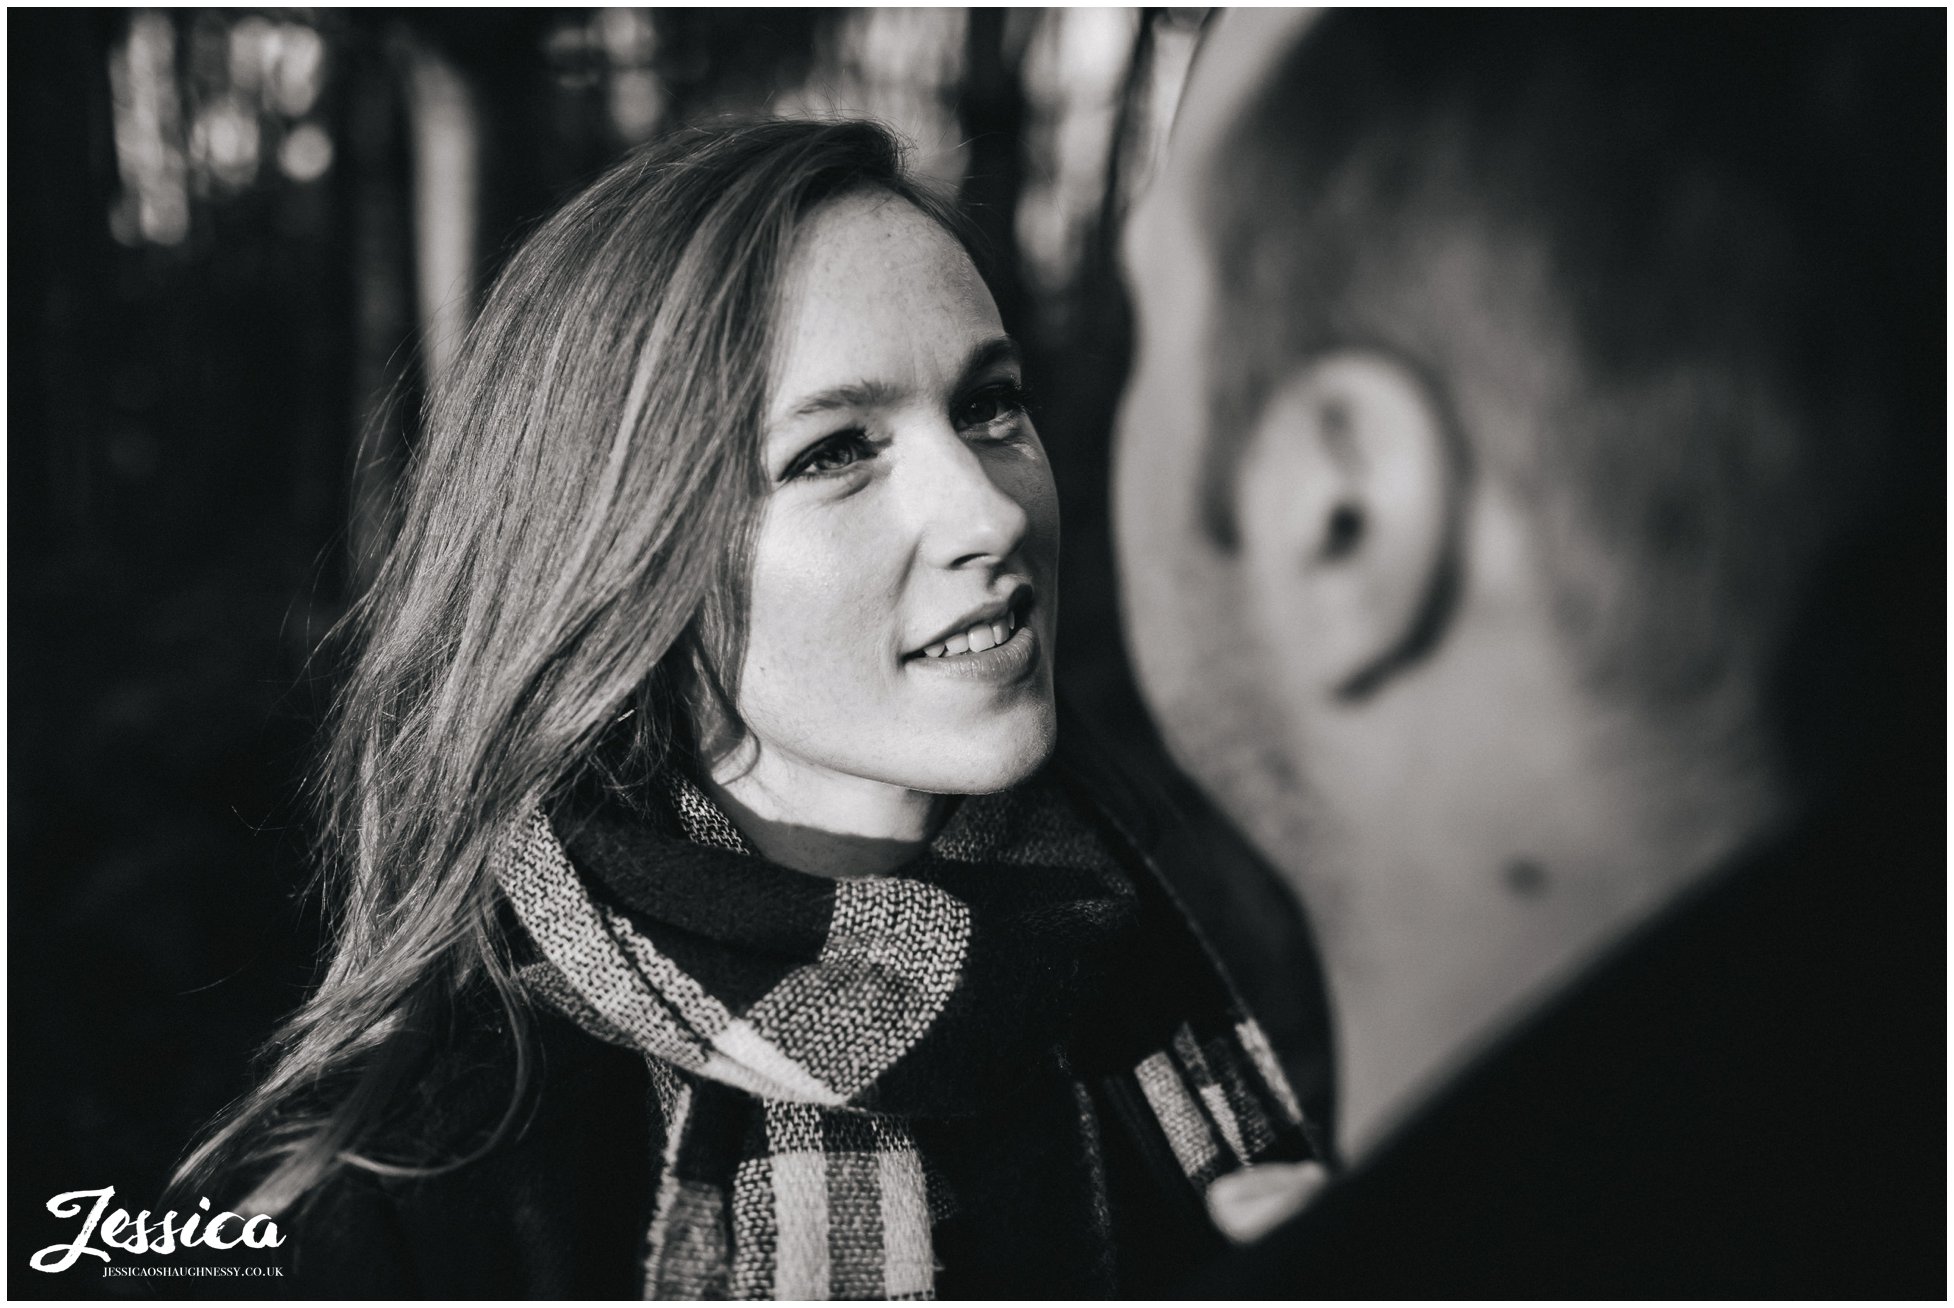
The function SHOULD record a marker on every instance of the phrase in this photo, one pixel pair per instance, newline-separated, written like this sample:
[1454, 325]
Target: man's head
[1507, 385]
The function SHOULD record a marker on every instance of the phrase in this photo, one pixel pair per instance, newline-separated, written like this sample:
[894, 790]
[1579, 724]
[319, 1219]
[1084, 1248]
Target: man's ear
[1347, 499]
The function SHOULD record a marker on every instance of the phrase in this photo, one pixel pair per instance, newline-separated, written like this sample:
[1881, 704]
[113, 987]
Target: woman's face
[902, 604]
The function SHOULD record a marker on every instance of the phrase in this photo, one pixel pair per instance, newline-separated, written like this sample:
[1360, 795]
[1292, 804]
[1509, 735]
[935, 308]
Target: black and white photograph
[977, 653]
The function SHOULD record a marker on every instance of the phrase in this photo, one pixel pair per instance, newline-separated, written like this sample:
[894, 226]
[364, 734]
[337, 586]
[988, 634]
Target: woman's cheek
[816, 597]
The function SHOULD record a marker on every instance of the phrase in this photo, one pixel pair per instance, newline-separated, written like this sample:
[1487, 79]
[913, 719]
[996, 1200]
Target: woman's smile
[999, 652]
[983, 627]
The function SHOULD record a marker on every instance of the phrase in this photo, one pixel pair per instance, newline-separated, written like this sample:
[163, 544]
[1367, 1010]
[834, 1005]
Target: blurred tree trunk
[1092, 358]
[992, 114]
[446, 130]
[385, 383]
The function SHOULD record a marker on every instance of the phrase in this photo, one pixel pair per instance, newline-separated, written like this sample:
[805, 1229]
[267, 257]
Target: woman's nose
[965, 514]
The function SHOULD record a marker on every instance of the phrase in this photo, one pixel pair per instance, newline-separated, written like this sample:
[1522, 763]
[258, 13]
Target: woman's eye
[842, 450]
[1001, 402]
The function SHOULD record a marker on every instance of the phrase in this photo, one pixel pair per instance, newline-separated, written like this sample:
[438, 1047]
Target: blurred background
[233, 232]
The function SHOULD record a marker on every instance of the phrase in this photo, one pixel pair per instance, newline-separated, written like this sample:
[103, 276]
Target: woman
[667, 960]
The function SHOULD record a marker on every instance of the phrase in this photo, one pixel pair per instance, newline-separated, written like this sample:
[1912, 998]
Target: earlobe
[1348, 497]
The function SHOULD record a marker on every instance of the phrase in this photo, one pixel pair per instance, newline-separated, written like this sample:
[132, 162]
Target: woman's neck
[821, 822]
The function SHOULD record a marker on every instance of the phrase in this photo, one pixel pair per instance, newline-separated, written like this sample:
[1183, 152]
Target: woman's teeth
[980, 637]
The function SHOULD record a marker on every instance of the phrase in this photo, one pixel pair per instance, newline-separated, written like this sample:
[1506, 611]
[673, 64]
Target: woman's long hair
[568, 575]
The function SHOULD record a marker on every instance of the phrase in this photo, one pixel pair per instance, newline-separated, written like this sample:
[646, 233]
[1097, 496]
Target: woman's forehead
[869, 226]
[876, 291]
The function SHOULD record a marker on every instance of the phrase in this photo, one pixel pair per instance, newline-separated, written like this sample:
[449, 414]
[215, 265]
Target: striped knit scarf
[804, 1033]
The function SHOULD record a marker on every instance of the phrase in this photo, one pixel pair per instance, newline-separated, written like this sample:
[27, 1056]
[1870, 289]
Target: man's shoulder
[1746, 1098]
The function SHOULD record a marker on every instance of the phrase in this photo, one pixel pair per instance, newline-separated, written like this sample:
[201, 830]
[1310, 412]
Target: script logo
[138, 1235]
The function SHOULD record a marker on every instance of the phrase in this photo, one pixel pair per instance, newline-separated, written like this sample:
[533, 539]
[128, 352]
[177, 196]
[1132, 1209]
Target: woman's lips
[987, 625]
[1000, 664]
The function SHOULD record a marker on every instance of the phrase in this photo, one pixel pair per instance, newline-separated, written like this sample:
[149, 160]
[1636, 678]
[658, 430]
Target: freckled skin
[853, 571]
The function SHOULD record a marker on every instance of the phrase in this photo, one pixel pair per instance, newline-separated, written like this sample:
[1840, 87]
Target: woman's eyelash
[1006, 400]
[830, 454]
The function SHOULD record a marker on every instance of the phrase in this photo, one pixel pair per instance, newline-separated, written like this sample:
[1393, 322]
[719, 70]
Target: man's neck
[1446, 941]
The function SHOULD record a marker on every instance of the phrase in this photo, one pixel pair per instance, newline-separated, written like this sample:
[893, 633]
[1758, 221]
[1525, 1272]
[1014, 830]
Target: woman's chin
[991, 762]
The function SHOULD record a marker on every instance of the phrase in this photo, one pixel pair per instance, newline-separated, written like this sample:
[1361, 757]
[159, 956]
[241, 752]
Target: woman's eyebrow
[875, 394]
[849, 395]
[997, 350]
